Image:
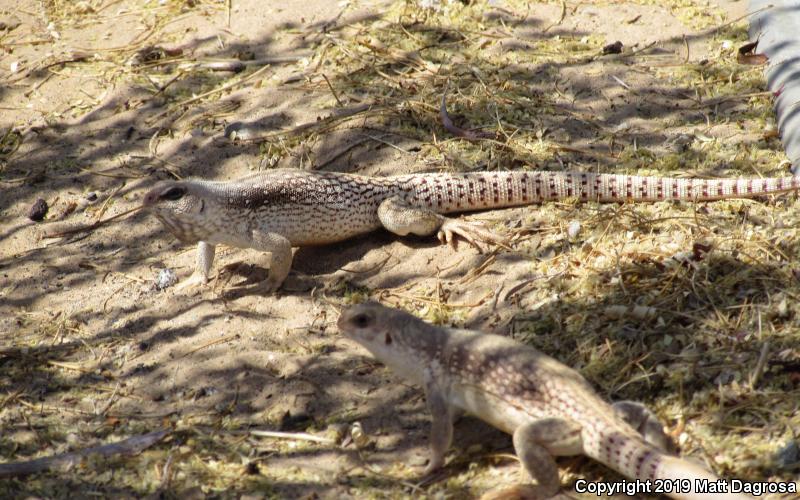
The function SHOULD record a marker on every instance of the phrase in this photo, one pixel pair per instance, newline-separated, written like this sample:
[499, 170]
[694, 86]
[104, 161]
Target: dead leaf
[747, 55]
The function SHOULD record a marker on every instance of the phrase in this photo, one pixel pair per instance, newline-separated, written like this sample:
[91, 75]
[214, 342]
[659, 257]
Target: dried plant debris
[690, 308]
[747, 55]
[448, 124]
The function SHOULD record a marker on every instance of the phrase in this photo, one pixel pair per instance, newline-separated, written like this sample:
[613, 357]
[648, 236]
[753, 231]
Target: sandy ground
[92, 352]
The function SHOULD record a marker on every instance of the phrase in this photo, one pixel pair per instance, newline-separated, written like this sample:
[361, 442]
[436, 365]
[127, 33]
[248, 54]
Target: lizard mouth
[176, 228]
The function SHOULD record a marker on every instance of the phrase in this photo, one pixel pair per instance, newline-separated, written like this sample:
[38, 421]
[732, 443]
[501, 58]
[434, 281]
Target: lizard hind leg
[401, 218]
[280, 261]
[646, 423]
[538, 441]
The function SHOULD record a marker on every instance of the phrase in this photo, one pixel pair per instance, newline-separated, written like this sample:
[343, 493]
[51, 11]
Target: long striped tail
[627, 453]
[484, 190]
[690, 481]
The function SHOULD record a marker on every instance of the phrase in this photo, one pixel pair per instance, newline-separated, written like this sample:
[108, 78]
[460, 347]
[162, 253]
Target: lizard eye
[361, 320]
[173, 193]
[387, 339]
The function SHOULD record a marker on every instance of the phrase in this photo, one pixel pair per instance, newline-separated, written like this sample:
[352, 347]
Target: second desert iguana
[548, 408]
[276, 210]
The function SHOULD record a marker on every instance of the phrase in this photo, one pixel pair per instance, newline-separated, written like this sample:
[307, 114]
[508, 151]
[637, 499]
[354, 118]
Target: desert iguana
[276, 210]
[548, 408]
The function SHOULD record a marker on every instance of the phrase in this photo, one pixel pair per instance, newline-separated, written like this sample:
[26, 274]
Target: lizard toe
[471, 232]
[433, 466]
[270, 286]
[194, 281]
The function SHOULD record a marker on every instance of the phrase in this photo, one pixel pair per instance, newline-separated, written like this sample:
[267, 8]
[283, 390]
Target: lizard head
[180, 206]
[394, 337]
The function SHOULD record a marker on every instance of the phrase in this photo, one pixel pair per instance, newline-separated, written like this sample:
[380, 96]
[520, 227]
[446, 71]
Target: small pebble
[788, 455]
[165, 279]
[359, 437]
[38, 210]
[240, 131]
[573, 229]
[613, 48]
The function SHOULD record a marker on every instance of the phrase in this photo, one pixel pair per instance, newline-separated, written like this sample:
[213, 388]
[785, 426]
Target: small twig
[292, 435]
[426, 300]
[561, 17]
[719, 100]
[686, 43]
[166, 472]
[373, 268]
[105, 302]
[625, 85]
[762, 358]
[68, 366]
[81, 57]
[470, 135]
[236, 65]
[339, 114]
[90, 227]
[108, 200]
[519, 286]
[335, 96]
[221, 88]
[110, 402]
[126, 447]
[341, 153]
[378, 139]
[734, 21]
[213, 342]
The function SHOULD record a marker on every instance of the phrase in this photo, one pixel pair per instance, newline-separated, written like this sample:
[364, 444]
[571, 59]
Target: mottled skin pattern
[548, 408]
[276, 210]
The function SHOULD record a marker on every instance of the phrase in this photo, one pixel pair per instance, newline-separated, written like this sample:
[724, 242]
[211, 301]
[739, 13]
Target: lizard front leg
[441, 420]
[202, 268]
[538, 441]
[401, 218]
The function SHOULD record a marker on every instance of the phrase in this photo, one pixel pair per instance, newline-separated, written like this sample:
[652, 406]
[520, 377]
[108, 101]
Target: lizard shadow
[323, 265]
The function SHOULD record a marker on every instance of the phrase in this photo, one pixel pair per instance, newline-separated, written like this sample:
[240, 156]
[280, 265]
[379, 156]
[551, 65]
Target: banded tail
[675, 477]
[447, 193]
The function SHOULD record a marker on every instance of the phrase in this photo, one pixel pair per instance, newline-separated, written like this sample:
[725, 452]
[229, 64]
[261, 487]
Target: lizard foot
[196, 280]
[269, 286]
[470, 231]
[433, 466]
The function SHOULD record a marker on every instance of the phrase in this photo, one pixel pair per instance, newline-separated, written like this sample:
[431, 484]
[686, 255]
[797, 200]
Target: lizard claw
[470, 231]
[270, 285]
[196, 280]
[433, 466]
